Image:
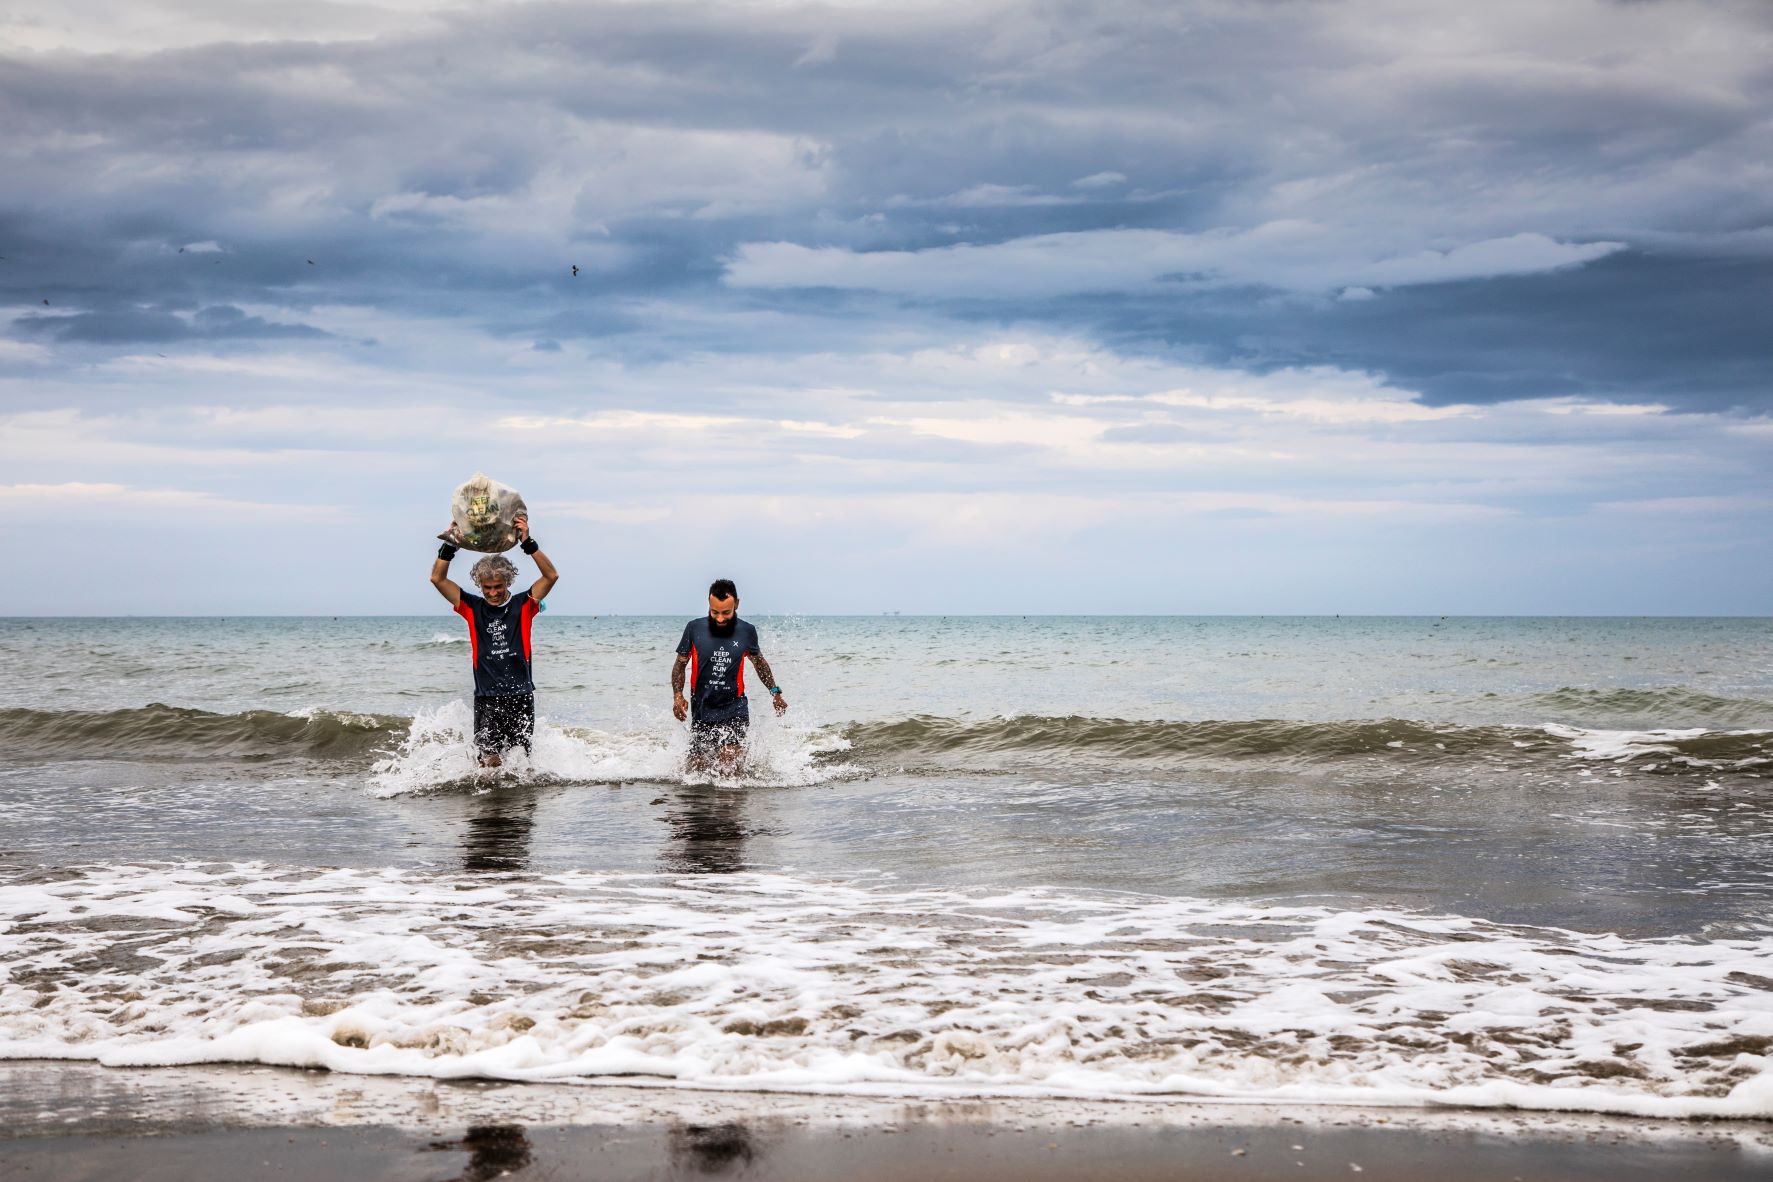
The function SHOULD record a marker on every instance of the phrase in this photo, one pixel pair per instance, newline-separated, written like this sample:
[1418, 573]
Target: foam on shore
[773, 983]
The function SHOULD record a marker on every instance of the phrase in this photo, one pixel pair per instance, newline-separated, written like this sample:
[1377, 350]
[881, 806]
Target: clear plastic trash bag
[481, 515]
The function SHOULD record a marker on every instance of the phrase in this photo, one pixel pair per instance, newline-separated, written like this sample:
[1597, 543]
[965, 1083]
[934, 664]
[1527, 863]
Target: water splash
[437, 752]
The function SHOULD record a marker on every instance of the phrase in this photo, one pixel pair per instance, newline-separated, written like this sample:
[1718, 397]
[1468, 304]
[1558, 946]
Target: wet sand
[72, 1121]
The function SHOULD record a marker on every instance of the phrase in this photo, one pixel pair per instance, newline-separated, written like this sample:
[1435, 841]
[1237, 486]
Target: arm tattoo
[763, 670]
[677, 674]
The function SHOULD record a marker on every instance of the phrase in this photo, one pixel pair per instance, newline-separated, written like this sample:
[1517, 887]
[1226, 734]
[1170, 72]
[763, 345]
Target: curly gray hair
[493, 566]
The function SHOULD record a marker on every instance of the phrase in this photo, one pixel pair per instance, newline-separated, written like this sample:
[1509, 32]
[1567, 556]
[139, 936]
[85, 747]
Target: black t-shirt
[499, 640]
[717, 669]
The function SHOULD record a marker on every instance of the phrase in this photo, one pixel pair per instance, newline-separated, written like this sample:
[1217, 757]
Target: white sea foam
[448, 638]
[1625, 746]
[438, 750]
[1619, 746]
[345, 717]
[768, 982]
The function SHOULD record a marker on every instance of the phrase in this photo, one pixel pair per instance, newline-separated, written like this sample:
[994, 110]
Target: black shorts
[707, 738]
[504, 722]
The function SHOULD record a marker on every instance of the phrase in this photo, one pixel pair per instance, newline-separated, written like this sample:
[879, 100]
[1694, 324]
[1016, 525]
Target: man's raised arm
[538, 590]
[440, 575]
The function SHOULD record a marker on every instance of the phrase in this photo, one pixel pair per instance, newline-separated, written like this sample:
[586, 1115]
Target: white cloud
[603, 512]
[1009, 444]
[1519, 254]
[994, 521]
[822, 50]
[22, 351]
[56, 499]
[1100, 180]
[1324, 410]
[147, 26]
[619, 420]
[1058, 432]
[985, 196]
[1573, 406]
[1294, 256]
[831, 430]
[1690, 506]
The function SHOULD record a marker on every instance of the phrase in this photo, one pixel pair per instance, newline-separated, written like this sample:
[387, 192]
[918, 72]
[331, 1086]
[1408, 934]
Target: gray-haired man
[498, 634]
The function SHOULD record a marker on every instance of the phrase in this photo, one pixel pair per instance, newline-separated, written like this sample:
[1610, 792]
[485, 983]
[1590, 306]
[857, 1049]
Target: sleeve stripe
[467, 613]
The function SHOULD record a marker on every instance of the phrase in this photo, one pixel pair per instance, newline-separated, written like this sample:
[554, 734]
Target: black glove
[530, 546]
[446, 551]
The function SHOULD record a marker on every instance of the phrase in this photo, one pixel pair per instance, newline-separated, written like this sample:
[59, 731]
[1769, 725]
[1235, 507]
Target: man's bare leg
[732, 759]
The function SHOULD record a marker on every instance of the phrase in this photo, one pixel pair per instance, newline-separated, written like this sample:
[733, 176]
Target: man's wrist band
[772, 689]
[530, 546]
[446, 551]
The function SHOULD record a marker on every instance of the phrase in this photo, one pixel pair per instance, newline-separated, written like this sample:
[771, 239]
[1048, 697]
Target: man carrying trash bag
[498, 632]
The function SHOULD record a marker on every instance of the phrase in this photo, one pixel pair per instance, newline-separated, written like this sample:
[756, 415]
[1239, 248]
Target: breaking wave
[432, 749]
[176, 732]
[978, 742]
[1672, 706]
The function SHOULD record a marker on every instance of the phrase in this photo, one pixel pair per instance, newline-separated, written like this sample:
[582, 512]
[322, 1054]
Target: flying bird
[46, 303]
[575, 270]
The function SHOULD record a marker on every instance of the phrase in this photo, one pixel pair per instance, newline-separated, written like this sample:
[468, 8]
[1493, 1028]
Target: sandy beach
[72, 1122]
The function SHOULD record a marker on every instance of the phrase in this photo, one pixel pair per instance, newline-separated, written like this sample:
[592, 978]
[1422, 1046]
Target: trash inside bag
[481, 515]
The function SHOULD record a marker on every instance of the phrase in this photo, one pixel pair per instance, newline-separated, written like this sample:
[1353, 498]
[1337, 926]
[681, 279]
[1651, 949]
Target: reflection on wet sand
[497, 836]
[493, 1151]
[711, 1149]
[707, 832]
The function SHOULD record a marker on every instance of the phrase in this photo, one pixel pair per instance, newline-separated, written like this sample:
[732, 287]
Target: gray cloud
[1542, 199]
[216, 322]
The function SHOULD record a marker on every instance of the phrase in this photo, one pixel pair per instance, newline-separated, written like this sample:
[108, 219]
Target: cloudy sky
[1106, 306]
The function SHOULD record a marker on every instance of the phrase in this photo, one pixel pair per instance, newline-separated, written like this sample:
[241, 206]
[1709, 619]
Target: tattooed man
[712, 654]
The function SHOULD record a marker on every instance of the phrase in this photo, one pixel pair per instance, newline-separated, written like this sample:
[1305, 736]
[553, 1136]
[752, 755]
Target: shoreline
[67, 1121]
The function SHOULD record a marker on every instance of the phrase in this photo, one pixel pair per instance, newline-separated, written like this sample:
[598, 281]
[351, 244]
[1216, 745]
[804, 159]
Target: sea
[1392, 862]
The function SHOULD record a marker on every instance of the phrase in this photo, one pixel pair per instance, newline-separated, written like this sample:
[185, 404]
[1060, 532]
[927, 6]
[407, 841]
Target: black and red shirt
[499, 637]
[717, 669]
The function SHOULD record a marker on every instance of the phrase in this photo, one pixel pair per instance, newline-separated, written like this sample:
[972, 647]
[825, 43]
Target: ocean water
[1491, 862]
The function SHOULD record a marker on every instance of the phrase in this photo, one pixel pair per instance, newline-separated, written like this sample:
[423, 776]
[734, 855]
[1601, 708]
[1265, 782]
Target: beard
[722, 630]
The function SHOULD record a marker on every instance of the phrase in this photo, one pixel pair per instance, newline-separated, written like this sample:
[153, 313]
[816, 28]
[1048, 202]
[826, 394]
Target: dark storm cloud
[458, 170]
[1686, 331]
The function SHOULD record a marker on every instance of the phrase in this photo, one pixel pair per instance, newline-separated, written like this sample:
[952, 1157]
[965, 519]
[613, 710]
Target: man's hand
[521, 521]
[679, 707]
[781, 701]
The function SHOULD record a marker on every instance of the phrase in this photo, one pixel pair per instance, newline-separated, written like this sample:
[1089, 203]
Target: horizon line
[943, 616]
